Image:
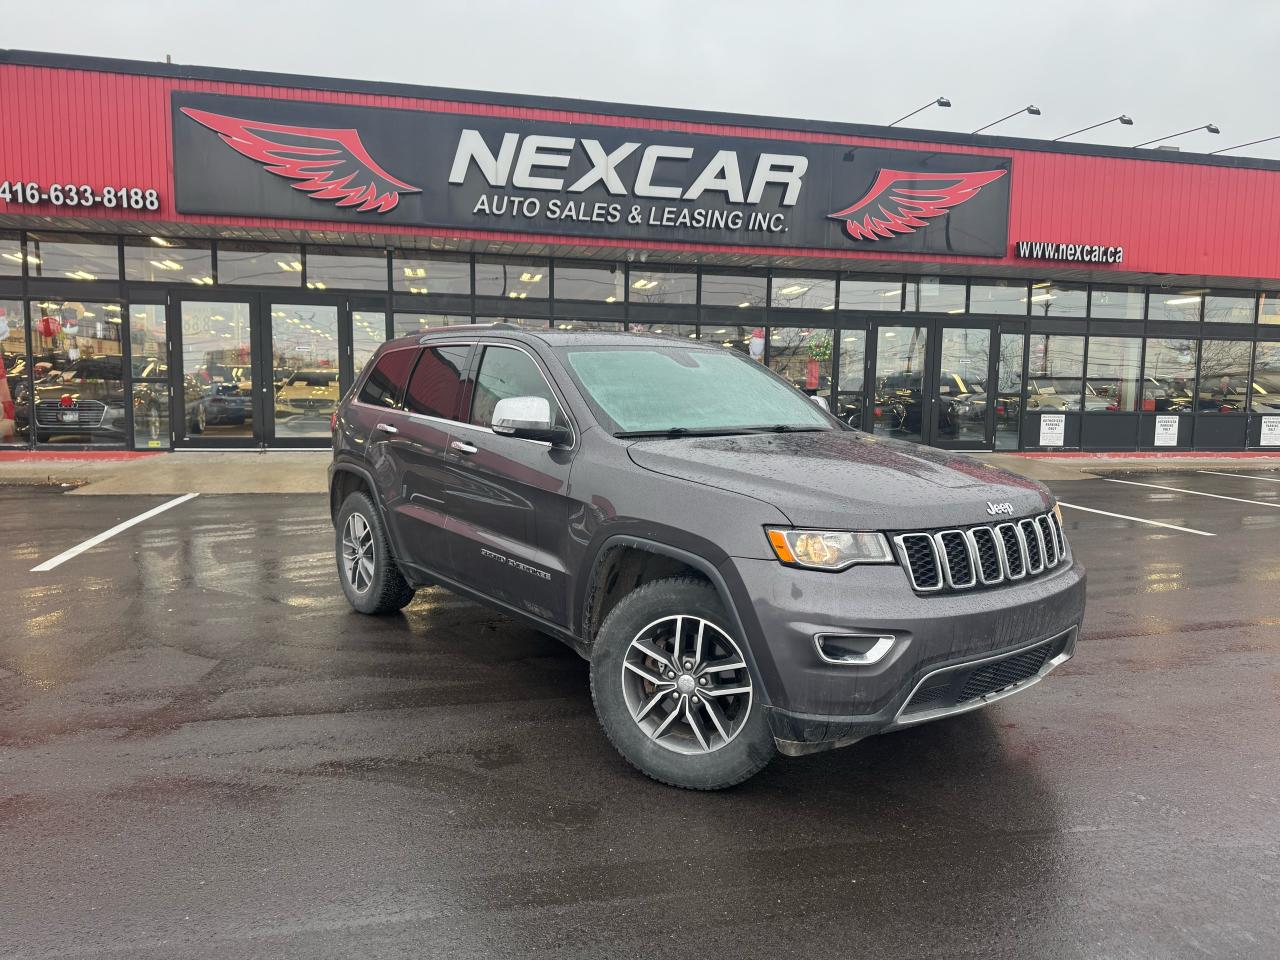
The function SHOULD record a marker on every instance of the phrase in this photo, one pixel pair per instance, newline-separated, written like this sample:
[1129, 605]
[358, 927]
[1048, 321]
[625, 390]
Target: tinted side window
[437, 381]
[506, 372]
[388, 376]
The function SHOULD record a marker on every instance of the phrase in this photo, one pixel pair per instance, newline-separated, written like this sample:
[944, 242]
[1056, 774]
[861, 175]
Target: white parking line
[1123, 516]
[1194, 493]
[1246, 476]
[108, 534]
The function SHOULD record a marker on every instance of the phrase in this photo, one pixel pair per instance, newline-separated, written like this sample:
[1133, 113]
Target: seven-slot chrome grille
[982, 556]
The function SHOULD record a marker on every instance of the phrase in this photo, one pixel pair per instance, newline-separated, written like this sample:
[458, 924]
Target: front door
[263, 368]
[304, 370]
[930, 383]
[215, 403]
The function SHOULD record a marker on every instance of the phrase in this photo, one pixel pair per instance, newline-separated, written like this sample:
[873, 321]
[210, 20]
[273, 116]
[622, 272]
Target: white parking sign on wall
[1053, 429]
[1270, 436]
[1166, 431]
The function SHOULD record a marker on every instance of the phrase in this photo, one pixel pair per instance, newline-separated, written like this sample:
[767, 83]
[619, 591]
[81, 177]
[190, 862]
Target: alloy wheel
[686, 684]
[357, 553]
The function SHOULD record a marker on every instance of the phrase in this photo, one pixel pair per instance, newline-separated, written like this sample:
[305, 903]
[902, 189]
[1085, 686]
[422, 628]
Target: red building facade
[203, 257]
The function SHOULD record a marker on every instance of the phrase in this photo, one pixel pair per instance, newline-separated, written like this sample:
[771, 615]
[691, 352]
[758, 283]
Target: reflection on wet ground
[202, 753]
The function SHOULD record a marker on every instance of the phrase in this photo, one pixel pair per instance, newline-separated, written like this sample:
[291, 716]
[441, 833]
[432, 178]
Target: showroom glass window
[331, 268]
[591, 283]
[1112, 377]
[1008, 398]
[259, 265]
[733, 290]
[661, 285]
[1050, 299]
[79, 378]
[744, 338]
[1175, 304]
[368, 331]
[1115, 302]
[525, 323]
[611, 326]
[436, 382]
[164, 260]
[1055, 368]
[1169, 375]
[853, 364]
[13, 377]
[516, 279]
[686, 330]
[411, 323]
[149, 361]
[1264, 397]
[803, 293]
[802, 356]
[871, 293]
[431, 274]
[10, 255]
[936, 295]
[1224, 376]
[1229, 306]
[1269, 308]
[62, 256]
[1004, 297]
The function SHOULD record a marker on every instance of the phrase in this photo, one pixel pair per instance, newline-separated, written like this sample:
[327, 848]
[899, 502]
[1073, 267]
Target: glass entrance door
[304, 370]
[214, 401]
[930, 384]
[961, 368]
[900, 389]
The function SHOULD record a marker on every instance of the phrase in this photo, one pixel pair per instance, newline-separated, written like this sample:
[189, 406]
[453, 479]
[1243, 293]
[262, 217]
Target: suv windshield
[660, 390]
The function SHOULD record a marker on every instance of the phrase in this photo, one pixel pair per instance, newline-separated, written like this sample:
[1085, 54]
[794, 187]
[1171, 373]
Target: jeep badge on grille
[995, 509]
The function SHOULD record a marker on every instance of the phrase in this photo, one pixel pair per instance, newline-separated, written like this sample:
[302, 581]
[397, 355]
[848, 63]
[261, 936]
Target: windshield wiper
[674, 432]
[786, 428]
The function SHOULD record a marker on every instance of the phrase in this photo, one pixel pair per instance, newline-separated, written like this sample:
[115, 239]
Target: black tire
[386, 589]
[746, 753]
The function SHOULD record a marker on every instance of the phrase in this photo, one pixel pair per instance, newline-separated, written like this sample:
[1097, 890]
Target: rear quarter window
[382, 386]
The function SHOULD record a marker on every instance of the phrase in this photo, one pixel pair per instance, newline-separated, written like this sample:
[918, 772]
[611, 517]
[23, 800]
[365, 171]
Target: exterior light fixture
[1031, 109]
[1124, 120]
[940, 102]
[1208, 127]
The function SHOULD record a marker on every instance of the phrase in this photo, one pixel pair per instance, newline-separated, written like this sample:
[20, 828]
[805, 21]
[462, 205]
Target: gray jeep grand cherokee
[742, 570]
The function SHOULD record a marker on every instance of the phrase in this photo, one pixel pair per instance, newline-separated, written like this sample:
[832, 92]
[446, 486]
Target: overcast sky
[1169, 65]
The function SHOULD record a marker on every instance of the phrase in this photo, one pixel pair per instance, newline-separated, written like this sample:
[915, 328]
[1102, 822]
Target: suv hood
[847, 480]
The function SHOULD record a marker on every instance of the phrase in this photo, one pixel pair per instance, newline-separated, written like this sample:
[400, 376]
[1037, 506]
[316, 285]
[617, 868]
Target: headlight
[828, 549]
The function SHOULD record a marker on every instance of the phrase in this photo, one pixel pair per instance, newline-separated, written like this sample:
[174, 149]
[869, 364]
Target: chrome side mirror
[528, 418]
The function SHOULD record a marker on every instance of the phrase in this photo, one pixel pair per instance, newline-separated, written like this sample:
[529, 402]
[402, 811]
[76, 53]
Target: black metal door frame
[931, 373]
[178, 417]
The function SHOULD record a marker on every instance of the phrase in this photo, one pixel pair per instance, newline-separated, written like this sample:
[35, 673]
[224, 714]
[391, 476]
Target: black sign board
[291, 159]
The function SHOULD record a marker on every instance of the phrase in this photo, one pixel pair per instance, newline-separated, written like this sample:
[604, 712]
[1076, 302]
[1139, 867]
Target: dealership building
[204, 258]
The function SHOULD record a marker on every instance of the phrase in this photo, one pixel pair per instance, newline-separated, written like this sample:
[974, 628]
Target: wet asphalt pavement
[204, 754]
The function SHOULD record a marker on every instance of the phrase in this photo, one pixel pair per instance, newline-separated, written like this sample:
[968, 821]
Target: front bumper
[812, 702]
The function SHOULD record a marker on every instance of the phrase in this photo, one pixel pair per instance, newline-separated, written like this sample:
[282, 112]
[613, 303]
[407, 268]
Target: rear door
[419, 455]
[509, 499]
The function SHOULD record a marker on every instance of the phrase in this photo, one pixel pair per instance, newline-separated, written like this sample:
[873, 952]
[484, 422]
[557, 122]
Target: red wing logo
[900, 202]
[328, 164]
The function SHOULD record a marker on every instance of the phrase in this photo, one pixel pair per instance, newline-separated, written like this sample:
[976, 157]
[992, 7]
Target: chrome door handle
[463, 447]
[387, 428]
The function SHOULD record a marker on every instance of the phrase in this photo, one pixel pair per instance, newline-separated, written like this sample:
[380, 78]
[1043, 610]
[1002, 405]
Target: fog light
[853, 649]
